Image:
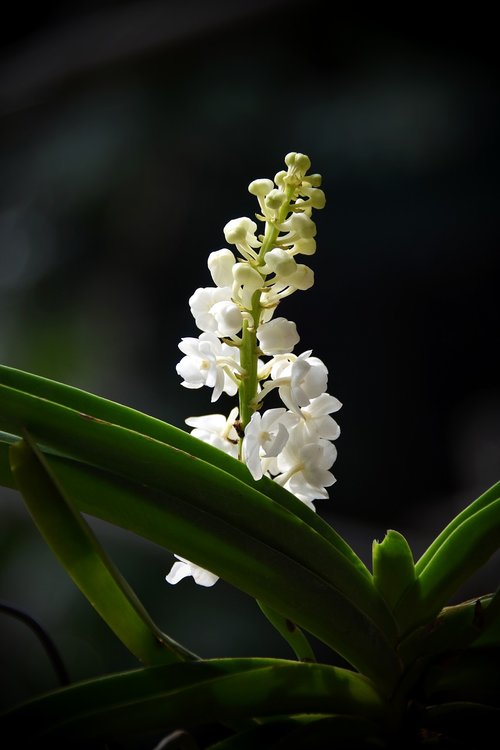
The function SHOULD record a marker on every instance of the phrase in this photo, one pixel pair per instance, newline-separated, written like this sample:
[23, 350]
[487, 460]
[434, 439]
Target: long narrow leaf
[463, 552]
[492, 494]
[454, 628]
[240, 558]
[109, 411]
[148, 461]
[159, 699]
[78, 550]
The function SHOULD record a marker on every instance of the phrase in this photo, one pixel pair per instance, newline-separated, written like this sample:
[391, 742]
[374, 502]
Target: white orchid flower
[215, 312]
[305, 464]
[209, 362]
[217, 430]
[277, 336]
[265, 437]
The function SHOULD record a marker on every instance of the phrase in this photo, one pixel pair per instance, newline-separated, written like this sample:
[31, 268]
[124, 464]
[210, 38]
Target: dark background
[128, 135]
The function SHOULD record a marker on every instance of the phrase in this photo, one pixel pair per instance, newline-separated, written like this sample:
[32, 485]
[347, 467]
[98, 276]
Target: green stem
[248, 359]
[249, 350]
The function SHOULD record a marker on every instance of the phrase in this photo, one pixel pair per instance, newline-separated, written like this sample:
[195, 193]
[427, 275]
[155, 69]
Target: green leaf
[454, 628]
[465, 550]
[158, 699]
[311, 582]
[393, 568]
[141, 458]
[108, 411]
[482, 502]
[77, 549]
[242, 559]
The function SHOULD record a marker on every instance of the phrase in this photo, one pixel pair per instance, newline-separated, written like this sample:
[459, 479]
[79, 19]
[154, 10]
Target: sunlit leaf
[492, 494]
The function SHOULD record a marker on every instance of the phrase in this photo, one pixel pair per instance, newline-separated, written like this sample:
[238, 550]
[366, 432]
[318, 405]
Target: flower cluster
[244, 349]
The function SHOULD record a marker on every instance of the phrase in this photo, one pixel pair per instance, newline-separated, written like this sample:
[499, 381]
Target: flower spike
[290, 444]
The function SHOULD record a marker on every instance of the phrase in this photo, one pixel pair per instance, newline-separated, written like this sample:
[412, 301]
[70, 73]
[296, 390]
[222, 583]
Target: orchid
[210, 362]
[234, 500]
[265, 437]
[289, 443]
[217, 430]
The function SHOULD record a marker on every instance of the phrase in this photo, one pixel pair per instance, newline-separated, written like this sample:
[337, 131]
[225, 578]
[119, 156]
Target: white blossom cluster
[244, 349]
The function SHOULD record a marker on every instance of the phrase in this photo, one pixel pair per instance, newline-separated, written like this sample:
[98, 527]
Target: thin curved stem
[44, 638]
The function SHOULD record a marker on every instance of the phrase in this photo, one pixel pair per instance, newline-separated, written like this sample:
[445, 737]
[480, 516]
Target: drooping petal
[179, 571]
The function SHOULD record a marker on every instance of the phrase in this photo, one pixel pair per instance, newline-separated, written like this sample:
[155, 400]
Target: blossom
[299, 380]
[280, 262]
[244, 348]
[184, 568]
[317, 419]
[298, 226]
[278, 336]
[214, 311]
[208, 362]
[302, 278]
[304, 465]
[217, 430]
[265, 436]
[303, 245]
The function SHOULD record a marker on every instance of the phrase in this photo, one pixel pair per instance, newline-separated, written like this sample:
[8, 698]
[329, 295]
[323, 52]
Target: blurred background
[129, 133]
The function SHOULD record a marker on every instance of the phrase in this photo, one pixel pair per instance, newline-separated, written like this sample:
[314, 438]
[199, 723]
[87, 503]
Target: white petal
[227, 318]
[203, 577]
[190, 373]
[209, 422]
[220, 265]
[179, 571]
[278, 443]
[251, 446]
[323, 404]
[278, 336]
